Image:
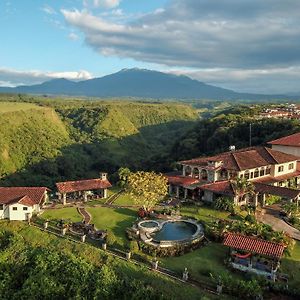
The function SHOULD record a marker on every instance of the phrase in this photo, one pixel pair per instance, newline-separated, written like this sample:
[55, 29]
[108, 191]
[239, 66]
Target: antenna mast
[250, 135]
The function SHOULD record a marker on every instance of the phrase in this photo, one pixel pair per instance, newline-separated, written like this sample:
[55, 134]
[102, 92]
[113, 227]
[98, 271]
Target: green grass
[113, 219]
[67, 213]
[291, 266]
[33, 237]
[16, 106]
[124, 199]
[201, 262]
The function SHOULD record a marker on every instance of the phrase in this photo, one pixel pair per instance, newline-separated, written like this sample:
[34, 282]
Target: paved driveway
[272, 218]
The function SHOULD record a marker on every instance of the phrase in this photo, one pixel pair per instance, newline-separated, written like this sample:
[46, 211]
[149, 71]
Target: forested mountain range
[43, 141]
[138, 83]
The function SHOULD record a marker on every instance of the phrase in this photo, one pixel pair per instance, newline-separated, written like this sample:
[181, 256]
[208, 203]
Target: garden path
[272, 218]
[86, 216]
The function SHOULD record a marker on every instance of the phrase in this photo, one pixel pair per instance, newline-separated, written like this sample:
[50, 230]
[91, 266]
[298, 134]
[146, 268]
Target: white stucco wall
[19, 214]
[287, 149]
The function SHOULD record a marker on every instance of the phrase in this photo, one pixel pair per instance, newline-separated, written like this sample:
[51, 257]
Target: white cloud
[48, 10]
[11, 77]
[73, 36]
[233, 35]
[106, 4]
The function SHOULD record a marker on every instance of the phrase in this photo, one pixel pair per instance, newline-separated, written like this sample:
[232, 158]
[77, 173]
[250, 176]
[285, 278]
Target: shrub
[111, 238]
[224, 203]
[133, 246]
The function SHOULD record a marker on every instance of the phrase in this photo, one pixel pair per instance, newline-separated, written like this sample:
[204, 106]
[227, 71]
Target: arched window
[203, 174]
[188, 171]
[196, 173]
[256, 173]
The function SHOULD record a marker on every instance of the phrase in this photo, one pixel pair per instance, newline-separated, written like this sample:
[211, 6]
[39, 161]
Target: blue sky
[248, 45]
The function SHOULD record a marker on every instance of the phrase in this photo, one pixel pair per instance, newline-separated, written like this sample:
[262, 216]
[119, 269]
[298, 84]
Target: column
[85, 196]
[263, 199]
[183, 170]
[104, 193]
[177, 191]
[185, 193]
[64, 198]
[170, 189]
[256, 200]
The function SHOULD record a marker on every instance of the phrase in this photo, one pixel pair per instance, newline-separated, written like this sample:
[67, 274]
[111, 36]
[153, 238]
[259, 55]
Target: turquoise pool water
[173, 231]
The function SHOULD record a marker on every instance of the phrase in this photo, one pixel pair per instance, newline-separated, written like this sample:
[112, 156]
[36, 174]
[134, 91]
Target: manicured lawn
[206, 213]
[113, 219]
[124, 199]
[291, 266]
[201, 263]
[67, 213]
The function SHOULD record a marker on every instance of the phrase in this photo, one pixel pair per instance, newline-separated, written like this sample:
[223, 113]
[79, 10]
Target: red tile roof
[252, 244]
[243, 159]
[276, 190]
[24, 200]
[82, 185]
[181, 180]
[290, 140]
[219, 187]
[10, 195]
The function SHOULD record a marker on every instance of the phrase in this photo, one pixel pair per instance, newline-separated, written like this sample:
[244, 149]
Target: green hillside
[45, 141]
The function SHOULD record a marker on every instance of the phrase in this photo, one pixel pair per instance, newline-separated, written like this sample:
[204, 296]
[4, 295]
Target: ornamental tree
[147, 188]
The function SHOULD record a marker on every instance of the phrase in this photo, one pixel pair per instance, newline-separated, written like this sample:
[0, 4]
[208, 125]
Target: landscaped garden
[66, 213]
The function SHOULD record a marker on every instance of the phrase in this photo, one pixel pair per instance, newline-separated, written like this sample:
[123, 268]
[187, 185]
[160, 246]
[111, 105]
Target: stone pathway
[272, 218]
[86, 216]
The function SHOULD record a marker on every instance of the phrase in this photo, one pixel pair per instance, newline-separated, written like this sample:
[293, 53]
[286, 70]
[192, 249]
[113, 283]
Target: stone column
[83, 238]
[104, 246]
[128, 255]
[64, 230]
[185, 274]
[46, 225]
[155, 264]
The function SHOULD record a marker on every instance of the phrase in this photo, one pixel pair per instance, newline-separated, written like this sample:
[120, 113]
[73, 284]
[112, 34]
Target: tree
[242, 188]
[123, 174]
[224, 203]
[147, 188]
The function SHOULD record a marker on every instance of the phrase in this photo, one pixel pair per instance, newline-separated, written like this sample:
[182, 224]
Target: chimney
[232, 148]
[103, 175]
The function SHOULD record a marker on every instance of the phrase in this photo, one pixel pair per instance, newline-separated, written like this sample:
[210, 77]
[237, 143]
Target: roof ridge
[235, 159]
[255, 238]
[272, 156]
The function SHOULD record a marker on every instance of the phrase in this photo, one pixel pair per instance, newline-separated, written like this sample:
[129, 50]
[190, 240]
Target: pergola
[251, 254]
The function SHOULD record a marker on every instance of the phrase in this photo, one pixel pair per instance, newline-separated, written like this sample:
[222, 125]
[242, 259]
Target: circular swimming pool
[175, 231]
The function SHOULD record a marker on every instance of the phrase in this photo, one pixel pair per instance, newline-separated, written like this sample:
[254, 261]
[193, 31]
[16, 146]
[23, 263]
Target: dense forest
[45, 140]
[51, 140]
[231, 127]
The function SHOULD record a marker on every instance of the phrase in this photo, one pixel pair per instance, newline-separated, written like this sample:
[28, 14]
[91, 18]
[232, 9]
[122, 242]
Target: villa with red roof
[83, 189]
[289, 144]
[207, 178]
[20, 203]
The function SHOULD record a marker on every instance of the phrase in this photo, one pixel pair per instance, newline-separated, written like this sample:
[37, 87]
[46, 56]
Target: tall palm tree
[242, 188]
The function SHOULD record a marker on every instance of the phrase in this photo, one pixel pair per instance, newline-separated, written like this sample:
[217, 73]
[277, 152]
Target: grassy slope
[88, 134]
[34, 237]
[67, 213]
[28, 136]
